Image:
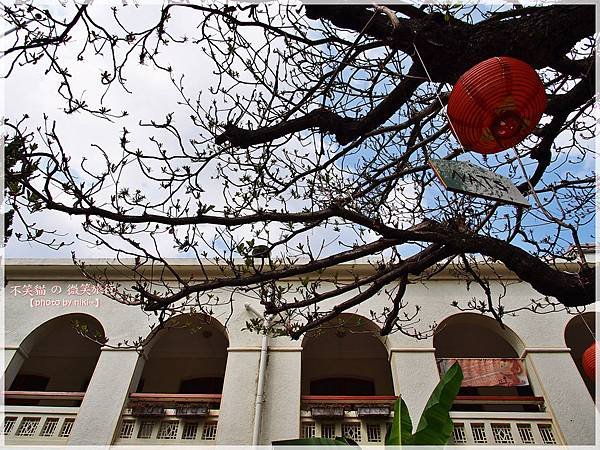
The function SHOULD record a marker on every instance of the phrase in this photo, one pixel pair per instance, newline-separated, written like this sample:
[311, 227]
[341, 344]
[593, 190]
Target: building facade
[207, 381]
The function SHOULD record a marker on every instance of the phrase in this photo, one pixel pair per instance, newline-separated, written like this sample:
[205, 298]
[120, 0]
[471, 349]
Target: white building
[200, 387]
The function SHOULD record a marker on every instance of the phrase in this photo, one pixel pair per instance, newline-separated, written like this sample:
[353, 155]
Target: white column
[14, 357]
[281, 412]
[415, 375]
[236, 416]
[565, 393]
[115, 376]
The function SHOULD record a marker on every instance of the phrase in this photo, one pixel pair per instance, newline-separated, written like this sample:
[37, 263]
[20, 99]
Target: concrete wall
[281, 418]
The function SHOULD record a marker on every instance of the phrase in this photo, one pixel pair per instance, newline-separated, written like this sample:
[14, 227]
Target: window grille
[547, 434]
[309, 430]
[458, 434]
[352, 431]
[146, 428]
[127, 429]
[9, 424]
[209, 432]
[49, 427]
[328, 430]
[190, 430]
[373, 432]
[502, 433]
[28, 426]
[478, 431]
[67, 426]
[525, 433]
[168, 429]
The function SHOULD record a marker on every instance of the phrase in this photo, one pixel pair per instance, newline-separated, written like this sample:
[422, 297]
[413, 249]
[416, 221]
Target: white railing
[470, 428]
[39, 425]
[343, 418]
[503, 428]
[164, 419]
[363, 431]
[363, 419]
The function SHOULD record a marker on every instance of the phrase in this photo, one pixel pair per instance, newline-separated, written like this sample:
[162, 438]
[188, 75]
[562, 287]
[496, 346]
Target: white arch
[479, 320]
[337, 349]
[37, 338]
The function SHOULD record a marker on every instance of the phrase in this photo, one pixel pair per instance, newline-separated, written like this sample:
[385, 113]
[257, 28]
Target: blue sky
[153, 97]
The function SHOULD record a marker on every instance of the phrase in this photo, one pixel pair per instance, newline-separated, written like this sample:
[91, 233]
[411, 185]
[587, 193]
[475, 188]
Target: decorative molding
[49, 410]
[19, 350]
[527, 350]
[269, 349]
[243, 349]
[285, 349]
[144, 354]
[113, 349]
[18, 269]
[412, 350]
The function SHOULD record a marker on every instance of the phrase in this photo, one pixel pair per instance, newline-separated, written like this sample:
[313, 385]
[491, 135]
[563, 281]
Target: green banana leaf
[435, 426]
[317, 441]
[401, 430]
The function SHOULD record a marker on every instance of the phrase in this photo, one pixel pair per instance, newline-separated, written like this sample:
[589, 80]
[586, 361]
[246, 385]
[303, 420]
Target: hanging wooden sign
[467, 178]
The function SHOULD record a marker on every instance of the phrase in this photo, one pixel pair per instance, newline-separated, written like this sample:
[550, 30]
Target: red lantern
[496, 104]
[589, 361]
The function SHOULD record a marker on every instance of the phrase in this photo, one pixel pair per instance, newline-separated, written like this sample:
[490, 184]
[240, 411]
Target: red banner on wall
[479, 372]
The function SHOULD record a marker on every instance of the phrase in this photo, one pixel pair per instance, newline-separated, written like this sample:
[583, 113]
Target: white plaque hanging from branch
[467, 178]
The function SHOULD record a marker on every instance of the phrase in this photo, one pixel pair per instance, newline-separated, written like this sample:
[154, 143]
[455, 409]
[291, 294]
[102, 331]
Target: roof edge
[64, 269]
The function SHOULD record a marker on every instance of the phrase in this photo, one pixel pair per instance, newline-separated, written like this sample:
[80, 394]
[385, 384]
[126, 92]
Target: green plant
[435, 426]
